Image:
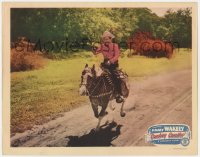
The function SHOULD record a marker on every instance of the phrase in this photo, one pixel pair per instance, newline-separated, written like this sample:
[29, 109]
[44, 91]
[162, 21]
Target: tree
[58, 24]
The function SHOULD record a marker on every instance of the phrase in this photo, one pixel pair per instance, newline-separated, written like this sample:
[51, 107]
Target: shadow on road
[103, 137]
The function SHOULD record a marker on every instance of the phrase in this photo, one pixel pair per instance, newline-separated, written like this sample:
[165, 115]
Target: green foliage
[84, 26]
[179, 25]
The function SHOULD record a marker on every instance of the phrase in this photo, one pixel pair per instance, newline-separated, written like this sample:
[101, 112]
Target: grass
[41, 95]
[139, 66]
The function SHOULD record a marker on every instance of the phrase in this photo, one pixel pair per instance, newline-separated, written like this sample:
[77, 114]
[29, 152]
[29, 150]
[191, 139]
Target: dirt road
[165, 98]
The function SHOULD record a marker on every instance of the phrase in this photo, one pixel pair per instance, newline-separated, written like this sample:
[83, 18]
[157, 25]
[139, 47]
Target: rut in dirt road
[157, 99]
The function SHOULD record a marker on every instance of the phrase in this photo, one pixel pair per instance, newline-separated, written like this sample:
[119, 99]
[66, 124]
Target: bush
[23, 60]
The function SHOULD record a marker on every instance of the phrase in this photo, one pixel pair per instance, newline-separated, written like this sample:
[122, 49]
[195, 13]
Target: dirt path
[158, 99]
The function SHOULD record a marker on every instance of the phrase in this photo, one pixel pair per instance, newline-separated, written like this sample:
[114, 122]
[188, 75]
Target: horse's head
[88, 74]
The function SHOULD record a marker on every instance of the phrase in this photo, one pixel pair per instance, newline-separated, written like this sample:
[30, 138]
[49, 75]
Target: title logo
[171, 134]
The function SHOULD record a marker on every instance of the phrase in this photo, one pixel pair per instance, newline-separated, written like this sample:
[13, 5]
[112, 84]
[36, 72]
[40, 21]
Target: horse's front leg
[98, 124]
[95, 110]
[94, 104]
[102, 114]
[122, 113]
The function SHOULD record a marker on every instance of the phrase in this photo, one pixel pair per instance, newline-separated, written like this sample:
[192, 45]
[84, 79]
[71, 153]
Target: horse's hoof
[123, 114]
[96, 115]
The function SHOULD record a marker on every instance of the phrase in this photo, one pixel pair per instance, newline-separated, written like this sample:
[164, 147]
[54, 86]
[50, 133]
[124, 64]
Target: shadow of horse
[104, 137]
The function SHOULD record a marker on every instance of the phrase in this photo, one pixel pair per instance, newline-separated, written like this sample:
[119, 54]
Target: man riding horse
[103, 84]
[111, 55]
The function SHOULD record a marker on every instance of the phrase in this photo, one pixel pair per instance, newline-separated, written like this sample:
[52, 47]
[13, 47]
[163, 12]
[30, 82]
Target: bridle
[84, 73]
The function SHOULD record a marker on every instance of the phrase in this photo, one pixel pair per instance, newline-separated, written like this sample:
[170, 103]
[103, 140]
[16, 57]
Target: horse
[97, 83]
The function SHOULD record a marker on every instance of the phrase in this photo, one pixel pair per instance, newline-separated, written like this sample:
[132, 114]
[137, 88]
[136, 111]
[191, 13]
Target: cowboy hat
[108, 34]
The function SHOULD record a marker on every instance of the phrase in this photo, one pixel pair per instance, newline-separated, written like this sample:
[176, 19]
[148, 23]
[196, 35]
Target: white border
[90, 1]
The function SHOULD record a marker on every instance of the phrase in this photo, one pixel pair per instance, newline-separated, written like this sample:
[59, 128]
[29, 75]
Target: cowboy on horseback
[111, 55]
[105, 83]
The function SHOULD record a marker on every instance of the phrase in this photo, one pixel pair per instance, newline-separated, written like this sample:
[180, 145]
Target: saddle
[120, 74]
[122, 81]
